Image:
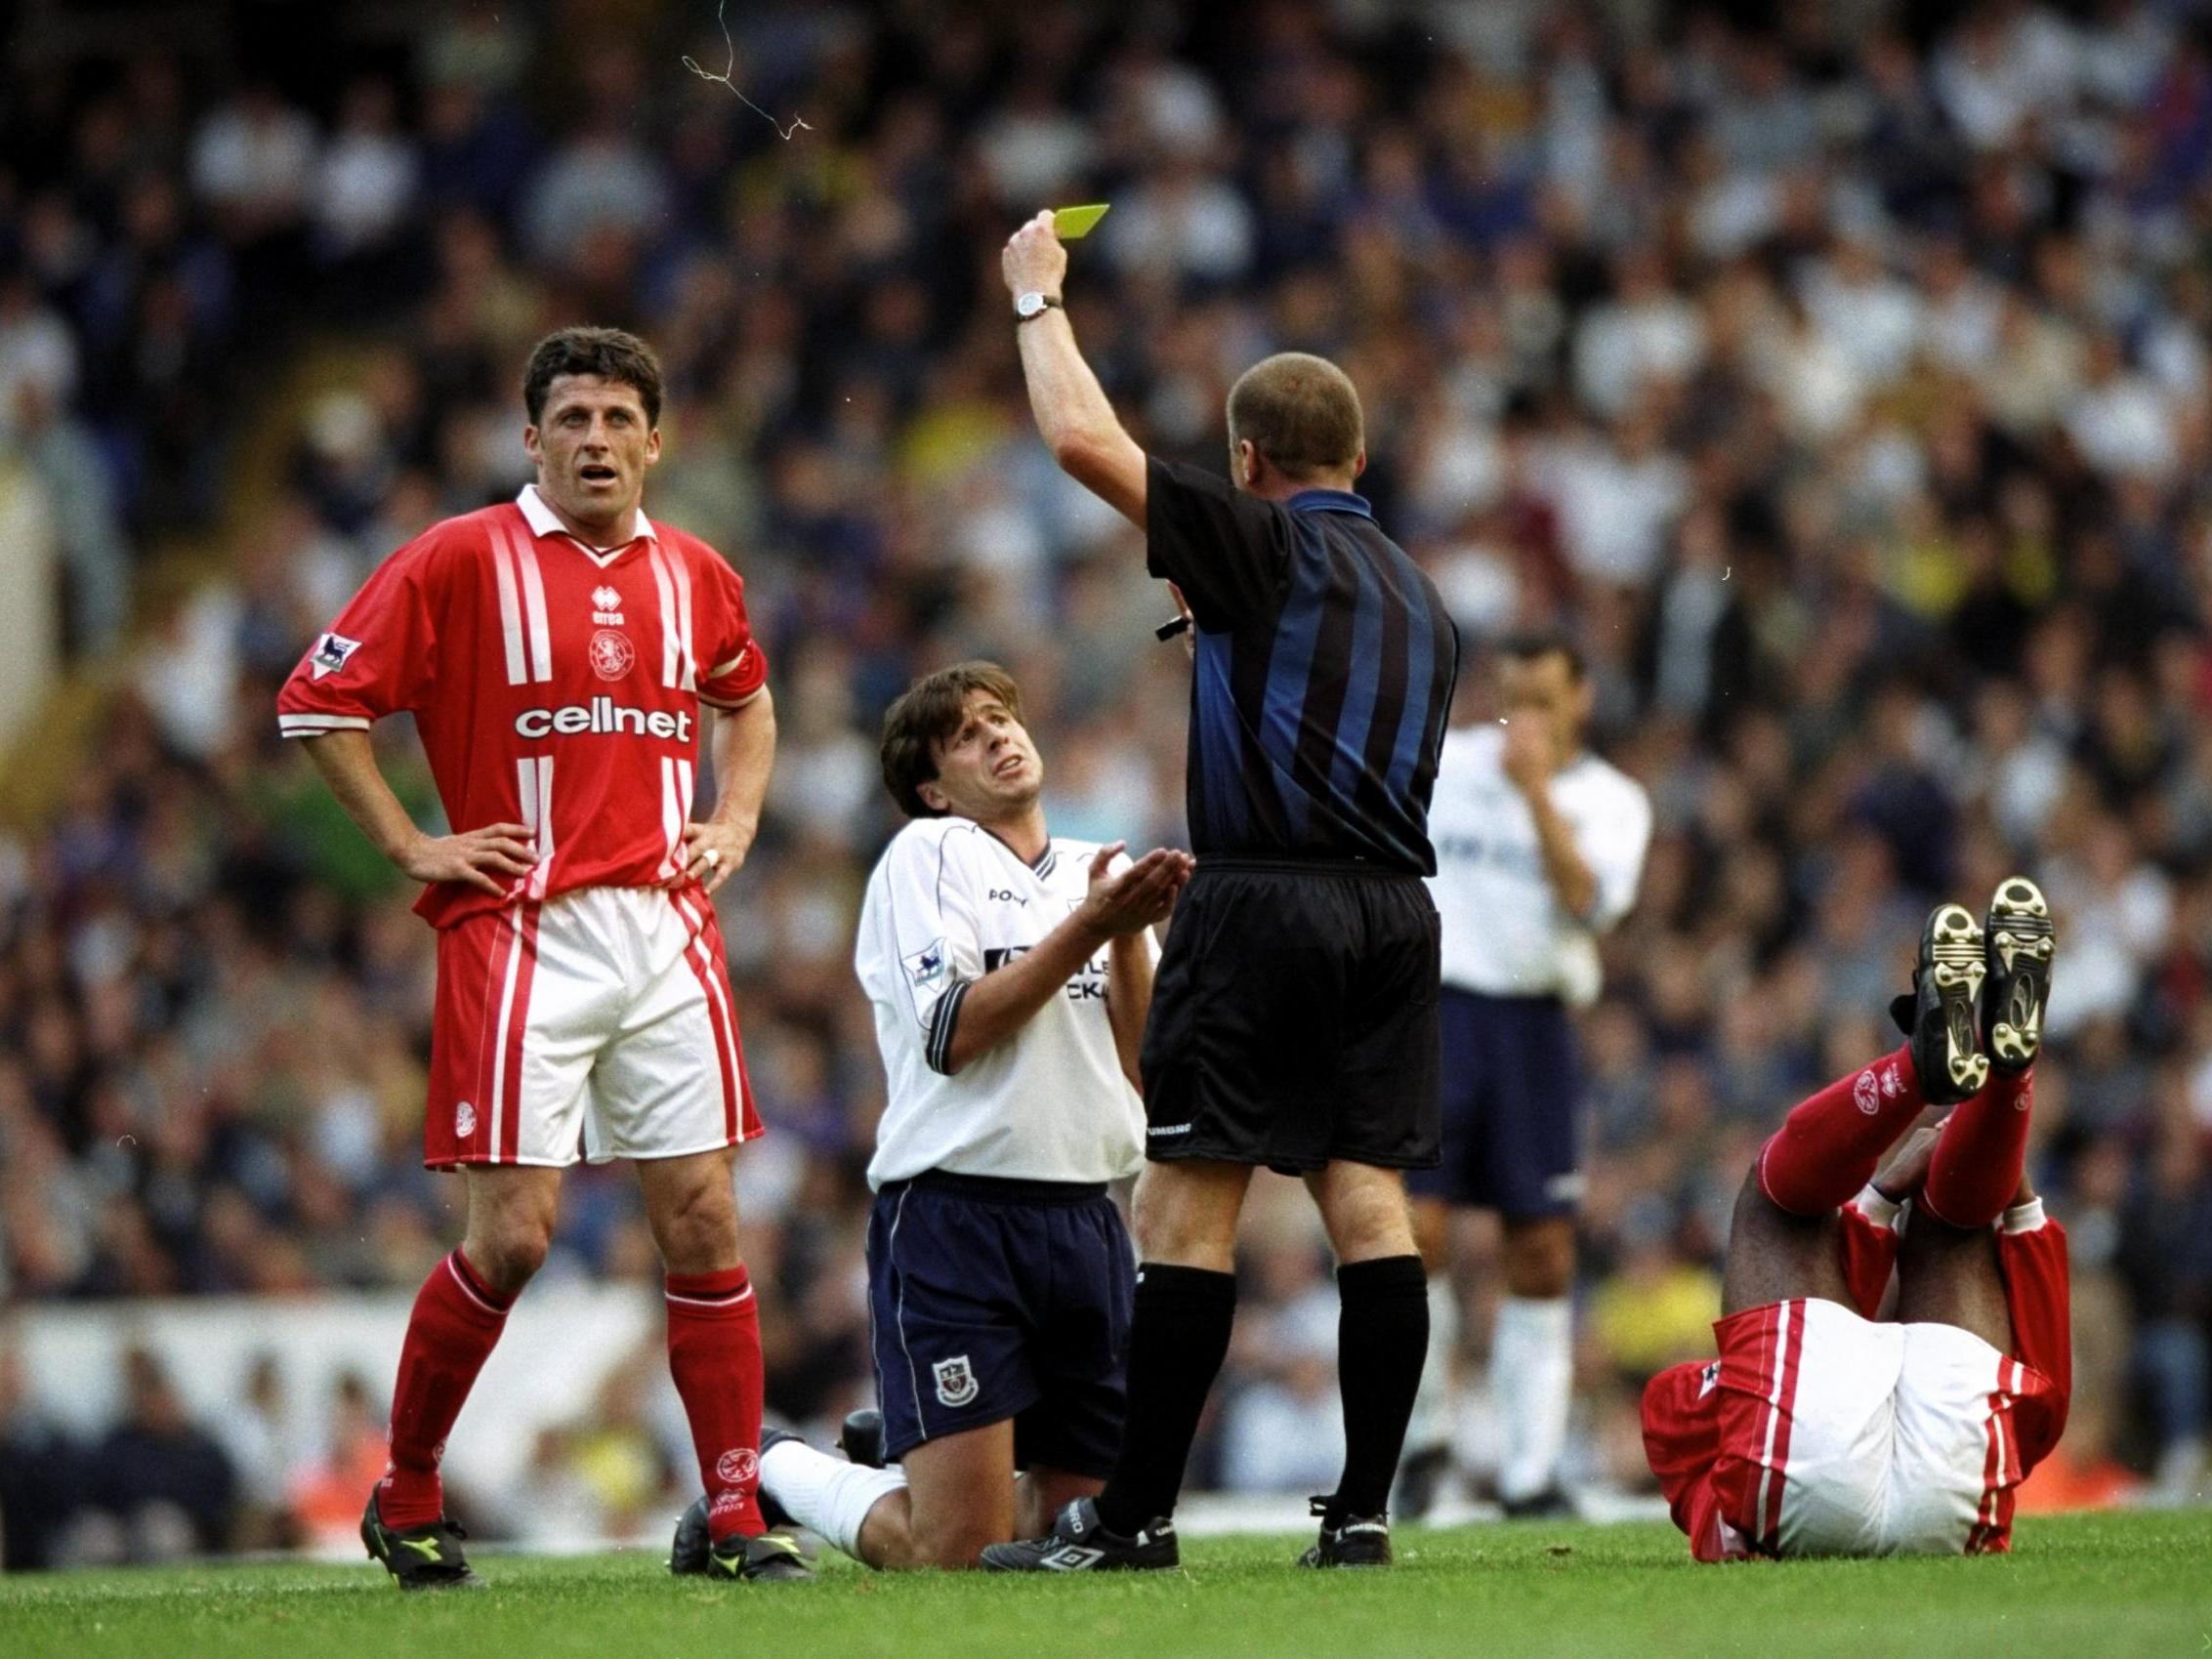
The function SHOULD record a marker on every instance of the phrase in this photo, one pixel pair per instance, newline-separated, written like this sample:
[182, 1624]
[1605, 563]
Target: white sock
[828, 1494]
[1532, 1376]
[1431, 1421]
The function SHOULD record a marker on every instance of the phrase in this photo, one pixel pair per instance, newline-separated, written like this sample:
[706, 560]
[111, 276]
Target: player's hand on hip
[490, 857]
[1035, 259]
[713, 852]
[1139, 896]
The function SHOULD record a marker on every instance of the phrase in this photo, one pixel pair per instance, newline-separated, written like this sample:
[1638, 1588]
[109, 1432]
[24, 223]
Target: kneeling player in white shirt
[1011, 972]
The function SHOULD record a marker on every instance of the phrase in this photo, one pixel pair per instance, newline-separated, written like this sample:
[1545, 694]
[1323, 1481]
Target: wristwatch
[1032, 304]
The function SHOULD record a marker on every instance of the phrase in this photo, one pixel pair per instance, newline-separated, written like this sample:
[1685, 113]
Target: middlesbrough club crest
[611, 655]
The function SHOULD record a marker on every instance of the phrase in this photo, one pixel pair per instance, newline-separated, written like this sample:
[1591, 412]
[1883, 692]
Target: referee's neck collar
[1329, 501]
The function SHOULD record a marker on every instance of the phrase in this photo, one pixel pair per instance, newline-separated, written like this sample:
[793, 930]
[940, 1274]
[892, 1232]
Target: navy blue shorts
[1511, 1100]
[990, 1300]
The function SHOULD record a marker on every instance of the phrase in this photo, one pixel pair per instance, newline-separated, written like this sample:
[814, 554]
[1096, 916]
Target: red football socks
[456, 1321]
[1828, 1146]
[1976, 1169]
[714, 1352]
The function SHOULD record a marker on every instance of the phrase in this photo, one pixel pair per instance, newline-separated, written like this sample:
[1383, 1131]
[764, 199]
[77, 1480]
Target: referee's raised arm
[1077, 422]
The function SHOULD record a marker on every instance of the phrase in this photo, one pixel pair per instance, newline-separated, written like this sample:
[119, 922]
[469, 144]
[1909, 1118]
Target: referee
[1294, 1017]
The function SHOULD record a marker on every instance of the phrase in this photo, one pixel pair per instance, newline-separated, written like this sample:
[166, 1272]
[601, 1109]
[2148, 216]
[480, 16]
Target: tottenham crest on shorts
[330, 654]
[956, 1383]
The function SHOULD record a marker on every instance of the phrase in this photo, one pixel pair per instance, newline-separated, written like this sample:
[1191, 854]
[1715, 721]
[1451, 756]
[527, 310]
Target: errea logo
[606, 606]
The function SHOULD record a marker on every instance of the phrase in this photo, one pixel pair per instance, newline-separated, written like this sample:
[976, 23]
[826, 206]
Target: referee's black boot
[1079, 1544]
[1348, 1541]
[1942, 1014]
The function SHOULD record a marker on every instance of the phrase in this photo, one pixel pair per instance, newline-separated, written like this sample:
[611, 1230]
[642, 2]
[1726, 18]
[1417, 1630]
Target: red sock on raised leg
[1977, 1160]
[1828, 1146]
[714, 1354]
[455, 1325]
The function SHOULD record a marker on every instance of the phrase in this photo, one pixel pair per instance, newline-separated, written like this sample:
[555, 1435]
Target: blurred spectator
[42, 1474]
[324, 1493]
[255, 1439]
[161, 1484]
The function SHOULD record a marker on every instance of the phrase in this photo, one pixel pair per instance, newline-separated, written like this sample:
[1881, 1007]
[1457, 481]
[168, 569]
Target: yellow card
[1070, 223]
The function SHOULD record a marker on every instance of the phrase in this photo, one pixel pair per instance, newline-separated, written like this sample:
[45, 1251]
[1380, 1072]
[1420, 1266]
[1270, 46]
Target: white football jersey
[1505, 932]
[948, 902]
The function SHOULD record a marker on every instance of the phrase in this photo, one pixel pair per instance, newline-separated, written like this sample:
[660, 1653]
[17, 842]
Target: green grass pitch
[2133, 1584]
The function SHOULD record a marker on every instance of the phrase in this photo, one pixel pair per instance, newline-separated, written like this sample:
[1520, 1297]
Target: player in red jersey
[562, 656]
[1822, 1431]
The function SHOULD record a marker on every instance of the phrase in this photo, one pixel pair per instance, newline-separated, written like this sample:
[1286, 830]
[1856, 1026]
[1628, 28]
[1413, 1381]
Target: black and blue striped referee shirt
[1325, 663]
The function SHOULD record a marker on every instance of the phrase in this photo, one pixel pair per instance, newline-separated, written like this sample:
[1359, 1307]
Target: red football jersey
[555, 684]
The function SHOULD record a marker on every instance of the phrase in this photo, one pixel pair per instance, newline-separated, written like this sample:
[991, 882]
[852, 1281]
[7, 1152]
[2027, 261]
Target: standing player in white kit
[559, 654]
[1539, 848]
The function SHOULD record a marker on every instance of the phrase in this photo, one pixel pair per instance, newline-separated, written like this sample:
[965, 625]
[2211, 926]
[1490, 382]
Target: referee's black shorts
[1294, 1018]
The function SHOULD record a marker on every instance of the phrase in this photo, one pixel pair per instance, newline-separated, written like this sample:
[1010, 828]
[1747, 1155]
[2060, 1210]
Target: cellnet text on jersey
[603, 717]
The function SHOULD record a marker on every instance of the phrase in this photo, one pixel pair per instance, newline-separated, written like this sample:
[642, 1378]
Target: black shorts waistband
[999, 1189]
[1507, 999]
[1244, 864]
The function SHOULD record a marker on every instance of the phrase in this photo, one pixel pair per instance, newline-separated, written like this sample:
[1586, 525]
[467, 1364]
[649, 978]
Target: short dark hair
[1534, 644]
[1300, 411]
[610, 353]
[928, 712]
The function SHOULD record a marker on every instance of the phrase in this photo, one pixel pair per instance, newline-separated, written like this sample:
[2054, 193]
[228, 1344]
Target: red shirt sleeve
[2038, 1293]
[376, 659]
[1682, 1429]
[1869, 1249]
[732, 666]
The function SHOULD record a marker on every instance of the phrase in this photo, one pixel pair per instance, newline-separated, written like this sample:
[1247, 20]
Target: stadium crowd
[1842, 383]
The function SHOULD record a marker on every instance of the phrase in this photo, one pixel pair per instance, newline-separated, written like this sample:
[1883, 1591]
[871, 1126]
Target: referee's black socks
[1178, 1339]
[1382, 1337]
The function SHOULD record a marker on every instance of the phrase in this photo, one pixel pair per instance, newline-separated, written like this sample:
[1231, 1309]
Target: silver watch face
[1029, 304]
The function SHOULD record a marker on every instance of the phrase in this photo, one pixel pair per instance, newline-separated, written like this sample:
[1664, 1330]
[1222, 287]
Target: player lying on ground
[560, 654]
[1819, 1431]
[1011, 972]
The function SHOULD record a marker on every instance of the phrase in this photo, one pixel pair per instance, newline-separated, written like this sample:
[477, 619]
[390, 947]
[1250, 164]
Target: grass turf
[2076, 1584]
